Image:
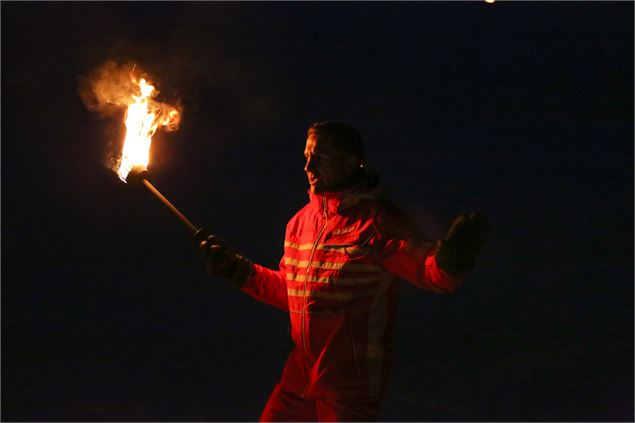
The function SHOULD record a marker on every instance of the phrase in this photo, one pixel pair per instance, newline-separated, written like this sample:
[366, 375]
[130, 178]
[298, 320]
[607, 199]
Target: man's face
[327, 168]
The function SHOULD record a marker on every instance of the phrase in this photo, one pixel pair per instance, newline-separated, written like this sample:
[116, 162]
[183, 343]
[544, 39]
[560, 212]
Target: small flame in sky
[143, 117]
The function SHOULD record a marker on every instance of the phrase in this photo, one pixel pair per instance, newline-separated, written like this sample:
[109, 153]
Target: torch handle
[169, 205]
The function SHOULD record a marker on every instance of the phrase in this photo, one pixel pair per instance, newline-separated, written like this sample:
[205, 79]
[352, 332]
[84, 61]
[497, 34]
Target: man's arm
[439, 267]
[416, 264]
[265, 285]
[268, 286]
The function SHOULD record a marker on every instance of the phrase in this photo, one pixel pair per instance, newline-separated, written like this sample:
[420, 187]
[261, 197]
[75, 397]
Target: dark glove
[220, 260]
[458, 250]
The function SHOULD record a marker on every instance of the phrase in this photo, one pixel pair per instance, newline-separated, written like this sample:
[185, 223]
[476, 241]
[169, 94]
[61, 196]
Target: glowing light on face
[327, 168]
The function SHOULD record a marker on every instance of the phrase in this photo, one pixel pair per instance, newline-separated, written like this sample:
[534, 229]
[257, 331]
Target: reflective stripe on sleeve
[353, 267]
[330, 295]
[341, 248]
[337, 281]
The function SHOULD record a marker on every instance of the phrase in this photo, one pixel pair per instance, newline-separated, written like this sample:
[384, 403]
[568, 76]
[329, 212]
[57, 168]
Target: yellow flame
[143, 118]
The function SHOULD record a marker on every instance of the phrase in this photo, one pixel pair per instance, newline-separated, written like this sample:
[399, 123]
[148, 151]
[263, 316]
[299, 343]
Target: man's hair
[340, 135]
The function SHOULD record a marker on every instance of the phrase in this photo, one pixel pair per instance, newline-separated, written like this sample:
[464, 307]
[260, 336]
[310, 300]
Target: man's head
[334, 155]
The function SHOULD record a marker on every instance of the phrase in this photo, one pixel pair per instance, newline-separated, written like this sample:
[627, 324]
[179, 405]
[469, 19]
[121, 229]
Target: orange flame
[143, 117]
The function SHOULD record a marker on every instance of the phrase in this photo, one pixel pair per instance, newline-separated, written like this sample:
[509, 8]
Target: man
[343, 254]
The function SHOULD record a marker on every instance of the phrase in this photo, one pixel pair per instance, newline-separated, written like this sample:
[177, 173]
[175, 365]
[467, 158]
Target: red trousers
[284, 406]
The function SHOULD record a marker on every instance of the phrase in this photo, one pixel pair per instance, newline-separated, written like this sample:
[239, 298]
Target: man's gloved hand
[458, 250]
[221, 260]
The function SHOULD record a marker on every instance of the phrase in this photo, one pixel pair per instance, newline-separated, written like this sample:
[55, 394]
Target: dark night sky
[521, 110]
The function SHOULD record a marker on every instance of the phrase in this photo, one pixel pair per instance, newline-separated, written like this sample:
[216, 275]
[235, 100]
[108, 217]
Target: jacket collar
[372, 187]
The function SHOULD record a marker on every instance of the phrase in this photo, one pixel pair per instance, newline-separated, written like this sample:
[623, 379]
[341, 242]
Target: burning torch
[143, 117]
[139, 175]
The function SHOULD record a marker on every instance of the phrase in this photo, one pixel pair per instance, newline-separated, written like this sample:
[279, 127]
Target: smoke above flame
[112, 88]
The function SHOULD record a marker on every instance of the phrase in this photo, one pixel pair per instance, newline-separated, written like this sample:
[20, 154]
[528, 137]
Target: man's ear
[353, 162]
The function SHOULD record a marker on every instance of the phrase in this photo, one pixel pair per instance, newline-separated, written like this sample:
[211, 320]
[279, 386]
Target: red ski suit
[343, 253]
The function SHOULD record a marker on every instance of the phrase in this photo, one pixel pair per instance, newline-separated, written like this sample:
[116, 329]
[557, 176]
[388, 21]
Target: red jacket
[343, 253]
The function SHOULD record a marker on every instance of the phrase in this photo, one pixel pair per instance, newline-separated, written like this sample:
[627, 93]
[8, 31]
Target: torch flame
[143, 117]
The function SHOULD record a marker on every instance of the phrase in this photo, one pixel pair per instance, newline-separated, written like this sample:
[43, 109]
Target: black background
[521, 110]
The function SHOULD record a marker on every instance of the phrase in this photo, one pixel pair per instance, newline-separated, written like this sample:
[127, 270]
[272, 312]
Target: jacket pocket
[351, 334]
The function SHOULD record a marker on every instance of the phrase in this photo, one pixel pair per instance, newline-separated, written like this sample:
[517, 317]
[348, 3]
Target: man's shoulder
[376, 206]
[393, 221]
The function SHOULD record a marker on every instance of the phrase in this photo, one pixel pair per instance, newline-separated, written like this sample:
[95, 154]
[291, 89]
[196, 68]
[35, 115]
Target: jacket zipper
[306, 279]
